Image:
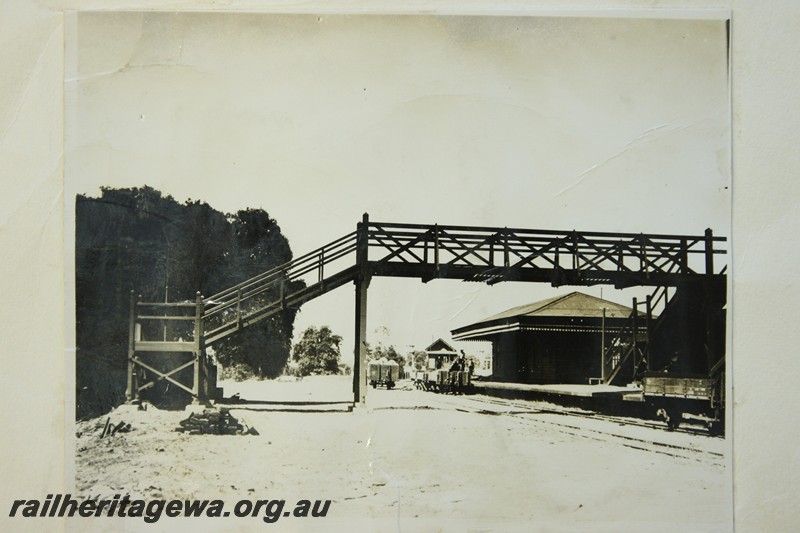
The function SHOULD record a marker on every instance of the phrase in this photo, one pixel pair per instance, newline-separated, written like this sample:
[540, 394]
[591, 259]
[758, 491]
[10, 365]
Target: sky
[595, 124]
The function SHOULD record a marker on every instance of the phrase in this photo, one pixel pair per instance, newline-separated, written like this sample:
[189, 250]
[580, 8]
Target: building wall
[546, 357]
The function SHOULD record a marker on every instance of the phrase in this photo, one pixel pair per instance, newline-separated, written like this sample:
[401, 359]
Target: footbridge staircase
[427, 252]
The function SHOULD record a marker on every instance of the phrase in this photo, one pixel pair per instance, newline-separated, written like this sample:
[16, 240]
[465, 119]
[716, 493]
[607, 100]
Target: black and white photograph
[400, 272]
[436, 265]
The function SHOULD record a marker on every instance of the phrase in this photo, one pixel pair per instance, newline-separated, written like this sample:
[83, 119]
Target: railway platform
[600, 397]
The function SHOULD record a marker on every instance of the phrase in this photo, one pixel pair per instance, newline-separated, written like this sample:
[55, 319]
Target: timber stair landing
[426, 252]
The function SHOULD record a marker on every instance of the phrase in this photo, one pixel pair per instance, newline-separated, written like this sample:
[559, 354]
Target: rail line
[638, 422]
[525, 411]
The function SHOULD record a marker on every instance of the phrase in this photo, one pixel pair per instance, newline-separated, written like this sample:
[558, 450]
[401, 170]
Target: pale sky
[551, 123]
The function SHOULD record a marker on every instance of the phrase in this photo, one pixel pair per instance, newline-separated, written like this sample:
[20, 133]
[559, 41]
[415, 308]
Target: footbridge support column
[362, 284]
[360, 361]
[199, 389]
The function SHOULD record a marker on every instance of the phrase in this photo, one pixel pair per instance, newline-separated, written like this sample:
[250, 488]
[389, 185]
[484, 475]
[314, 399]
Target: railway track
[531, 414]
[629, 421]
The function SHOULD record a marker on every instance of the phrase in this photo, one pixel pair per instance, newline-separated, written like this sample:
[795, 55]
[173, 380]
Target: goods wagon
[383, 373]
[449, 381]
[673, 395]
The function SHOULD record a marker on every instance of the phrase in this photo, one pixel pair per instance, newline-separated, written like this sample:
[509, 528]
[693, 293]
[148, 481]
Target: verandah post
[602, 346]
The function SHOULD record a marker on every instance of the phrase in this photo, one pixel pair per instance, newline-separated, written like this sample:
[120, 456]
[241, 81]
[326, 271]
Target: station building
[441, 355]
[558, 340]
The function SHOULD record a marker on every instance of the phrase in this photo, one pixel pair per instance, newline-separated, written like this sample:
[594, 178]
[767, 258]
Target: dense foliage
[419, 359]
[379, 351]
[138, 239]
[317, 352]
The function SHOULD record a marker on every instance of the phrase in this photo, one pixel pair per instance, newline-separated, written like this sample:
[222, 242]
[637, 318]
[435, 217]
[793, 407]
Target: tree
[258, 245]
[122, 242]
[317, 352]
[139, 239]
[380, 351]
[419, 358]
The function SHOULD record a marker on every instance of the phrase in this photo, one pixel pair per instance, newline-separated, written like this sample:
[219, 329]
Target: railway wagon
[673, 395]
[383, 373]
[452, 381]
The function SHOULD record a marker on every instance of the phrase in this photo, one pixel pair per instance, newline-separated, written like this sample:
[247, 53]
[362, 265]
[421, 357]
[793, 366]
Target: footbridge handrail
[502, 254]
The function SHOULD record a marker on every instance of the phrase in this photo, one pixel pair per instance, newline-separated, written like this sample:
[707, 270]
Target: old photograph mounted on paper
[425, 271]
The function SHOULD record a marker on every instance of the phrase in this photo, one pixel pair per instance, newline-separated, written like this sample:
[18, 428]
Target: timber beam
[555, 277]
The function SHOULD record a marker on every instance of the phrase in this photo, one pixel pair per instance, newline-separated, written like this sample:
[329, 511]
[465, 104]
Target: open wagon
[454, 381]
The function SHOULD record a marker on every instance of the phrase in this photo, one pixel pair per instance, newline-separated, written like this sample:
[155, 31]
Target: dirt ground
[410, 461]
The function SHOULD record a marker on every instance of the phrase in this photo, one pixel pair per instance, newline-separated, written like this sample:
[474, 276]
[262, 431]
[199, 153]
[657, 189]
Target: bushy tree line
[317, 352]
[419, 359]
[379, 351]
[138, 239]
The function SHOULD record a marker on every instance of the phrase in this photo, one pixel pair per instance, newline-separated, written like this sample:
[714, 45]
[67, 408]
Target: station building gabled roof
[440, 346]
[575, 311]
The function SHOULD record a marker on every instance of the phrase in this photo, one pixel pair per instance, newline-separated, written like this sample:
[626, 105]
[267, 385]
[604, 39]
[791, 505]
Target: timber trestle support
[169, 358]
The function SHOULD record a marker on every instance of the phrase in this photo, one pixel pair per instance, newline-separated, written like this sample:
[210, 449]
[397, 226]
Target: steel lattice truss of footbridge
[427, 252]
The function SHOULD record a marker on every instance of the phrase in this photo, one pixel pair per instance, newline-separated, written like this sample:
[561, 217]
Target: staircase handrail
[285, 272]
